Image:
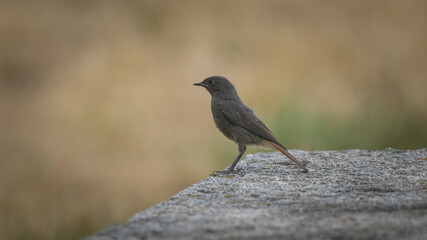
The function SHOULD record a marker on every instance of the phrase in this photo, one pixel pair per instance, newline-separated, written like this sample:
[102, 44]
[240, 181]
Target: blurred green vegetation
[99, 118]
[371, 128]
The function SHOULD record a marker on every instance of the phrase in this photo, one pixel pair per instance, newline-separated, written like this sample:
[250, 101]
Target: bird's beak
[199, 84]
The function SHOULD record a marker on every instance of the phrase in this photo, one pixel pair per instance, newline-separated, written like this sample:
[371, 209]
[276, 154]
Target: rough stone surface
[352, 194]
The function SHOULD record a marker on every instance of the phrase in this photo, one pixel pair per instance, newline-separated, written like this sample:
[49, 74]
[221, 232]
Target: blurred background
[99, 118]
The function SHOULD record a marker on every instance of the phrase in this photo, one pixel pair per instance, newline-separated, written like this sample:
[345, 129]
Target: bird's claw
[229, 172]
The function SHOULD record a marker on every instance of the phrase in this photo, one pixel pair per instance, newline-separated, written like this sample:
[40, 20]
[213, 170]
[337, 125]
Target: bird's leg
[241, 172]
[242, 149]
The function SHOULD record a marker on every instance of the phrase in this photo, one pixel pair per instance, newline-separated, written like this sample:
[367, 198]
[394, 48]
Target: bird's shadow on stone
[289, 162]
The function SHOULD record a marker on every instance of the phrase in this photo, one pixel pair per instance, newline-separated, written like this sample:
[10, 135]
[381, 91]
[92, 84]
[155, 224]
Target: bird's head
[219, 87]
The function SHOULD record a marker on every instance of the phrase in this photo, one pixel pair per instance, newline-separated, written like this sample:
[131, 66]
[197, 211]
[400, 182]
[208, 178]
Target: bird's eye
[211, 82]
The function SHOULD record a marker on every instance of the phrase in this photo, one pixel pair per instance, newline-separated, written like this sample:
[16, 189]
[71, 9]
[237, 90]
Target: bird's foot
[229, 172]
[219, 173]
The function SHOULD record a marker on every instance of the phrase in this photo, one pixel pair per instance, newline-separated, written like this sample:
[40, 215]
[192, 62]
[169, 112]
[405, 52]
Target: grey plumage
[237, 121]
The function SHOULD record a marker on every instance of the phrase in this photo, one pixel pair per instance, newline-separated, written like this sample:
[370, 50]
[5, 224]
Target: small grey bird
[237, 121]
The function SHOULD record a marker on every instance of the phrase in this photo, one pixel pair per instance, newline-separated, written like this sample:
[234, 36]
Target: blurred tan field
[99, 118]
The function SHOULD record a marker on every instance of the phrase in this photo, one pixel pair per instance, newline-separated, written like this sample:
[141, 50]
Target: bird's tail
[287, 154]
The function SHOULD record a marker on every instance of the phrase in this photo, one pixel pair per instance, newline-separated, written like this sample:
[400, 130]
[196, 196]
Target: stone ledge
[352, 194]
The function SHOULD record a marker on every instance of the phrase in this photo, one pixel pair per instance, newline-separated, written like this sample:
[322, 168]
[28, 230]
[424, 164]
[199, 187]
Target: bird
[238, 122]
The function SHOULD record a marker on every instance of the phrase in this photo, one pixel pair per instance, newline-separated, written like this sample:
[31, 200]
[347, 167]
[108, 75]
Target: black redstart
[237, 121]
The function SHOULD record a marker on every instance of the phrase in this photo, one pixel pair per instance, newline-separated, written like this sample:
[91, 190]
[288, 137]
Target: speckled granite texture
[352, 194]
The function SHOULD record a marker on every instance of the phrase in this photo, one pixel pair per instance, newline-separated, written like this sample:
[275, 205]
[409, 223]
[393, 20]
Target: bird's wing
[244, 117]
